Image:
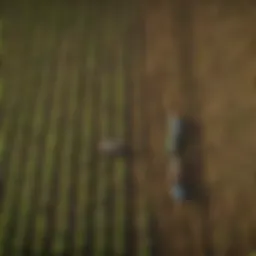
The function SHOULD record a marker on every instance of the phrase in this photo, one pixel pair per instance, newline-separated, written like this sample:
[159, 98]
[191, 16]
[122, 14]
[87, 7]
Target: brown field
[200, 61]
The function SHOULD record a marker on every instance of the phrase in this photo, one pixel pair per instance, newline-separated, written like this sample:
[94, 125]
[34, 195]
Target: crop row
[60, 195]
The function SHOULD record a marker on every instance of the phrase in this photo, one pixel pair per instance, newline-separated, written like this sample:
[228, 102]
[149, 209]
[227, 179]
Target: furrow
[93, 154]
[119, 166]
[63, 203]
[77, 143]
[84, 157]
[47, 170]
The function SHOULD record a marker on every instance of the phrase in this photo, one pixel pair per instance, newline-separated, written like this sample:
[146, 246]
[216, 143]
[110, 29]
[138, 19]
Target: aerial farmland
[75, 75]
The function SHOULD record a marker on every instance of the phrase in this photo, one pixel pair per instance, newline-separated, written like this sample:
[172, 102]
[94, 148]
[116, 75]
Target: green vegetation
[15, 161]
[1, 37]
[30, 165]
[64, 54]
[1, 85]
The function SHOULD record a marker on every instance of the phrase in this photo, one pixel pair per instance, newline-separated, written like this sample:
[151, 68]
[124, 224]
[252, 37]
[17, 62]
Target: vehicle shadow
[191, 157]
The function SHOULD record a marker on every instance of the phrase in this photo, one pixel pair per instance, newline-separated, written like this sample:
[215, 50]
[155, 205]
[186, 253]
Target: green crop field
[65, 90]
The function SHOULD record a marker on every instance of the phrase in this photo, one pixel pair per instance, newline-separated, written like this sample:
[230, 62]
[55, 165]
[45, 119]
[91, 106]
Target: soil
[200, 61]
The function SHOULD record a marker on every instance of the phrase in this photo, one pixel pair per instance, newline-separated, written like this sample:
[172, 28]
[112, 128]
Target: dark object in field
[113, 147]
[173, 145]
[179, 136]
[184, 140]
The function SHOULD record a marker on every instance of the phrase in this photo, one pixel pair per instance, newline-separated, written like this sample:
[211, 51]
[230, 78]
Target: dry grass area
[201, 61]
